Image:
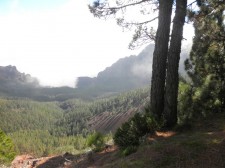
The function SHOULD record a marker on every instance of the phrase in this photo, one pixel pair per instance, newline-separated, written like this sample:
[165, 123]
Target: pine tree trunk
[172, 77]
[160, 58]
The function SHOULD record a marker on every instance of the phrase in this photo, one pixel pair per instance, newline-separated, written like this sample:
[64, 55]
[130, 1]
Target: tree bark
[160, 58]
[172, 77]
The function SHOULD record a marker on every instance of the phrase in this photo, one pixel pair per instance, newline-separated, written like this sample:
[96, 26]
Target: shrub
[185, 103]
[96, 140]
[129, 134]
[7, 152]
[125, 136]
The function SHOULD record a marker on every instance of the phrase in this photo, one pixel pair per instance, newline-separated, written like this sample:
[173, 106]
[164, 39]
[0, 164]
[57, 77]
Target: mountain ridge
[126, 74]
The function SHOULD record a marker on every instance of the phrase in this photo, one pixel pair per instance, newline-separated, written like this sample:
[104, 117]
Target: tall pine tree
[206, 66]
[160, 58]
[160, 55]
[172, 77]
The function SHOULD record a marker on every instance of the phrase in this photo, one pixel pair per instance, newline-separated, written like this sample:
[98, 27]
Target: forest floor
[201, 145]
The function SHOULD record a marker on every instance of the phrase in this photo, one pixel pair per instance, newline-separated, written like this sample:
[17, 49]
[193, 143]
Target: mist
[143, 68]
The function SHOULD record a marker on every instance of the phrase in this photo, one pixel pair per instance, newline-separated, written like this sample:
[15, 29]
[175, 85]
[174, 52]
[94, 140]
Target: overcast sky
[59, 40]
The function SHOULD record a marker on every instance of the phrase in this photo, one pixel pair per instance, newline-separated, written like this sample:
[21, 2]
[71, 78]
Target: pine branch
[124, 6]
[103, 9]
[142, 23]
[191, 3]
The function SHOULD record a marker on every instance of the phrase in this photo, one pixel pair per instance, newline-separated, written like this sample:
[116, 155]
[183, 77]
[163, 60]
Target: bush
[125, 136]
[7, 152]
[185, 103]
[129, 134]
[96, 140]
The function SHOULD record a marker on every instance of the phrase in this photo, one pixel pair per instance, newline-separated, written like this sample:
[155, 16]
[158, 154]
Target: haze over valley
[107, 84]
[57, 42]
[126, 74]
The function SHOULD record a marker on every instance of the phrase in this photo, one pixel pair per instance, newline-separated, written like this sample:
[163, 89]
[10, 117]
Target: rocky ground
[89, 159]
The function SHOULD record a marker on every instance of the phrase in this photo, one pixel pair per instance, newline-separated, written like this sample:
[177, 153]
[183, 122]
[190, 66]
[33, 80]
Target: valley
[46, 122]
[72, 95]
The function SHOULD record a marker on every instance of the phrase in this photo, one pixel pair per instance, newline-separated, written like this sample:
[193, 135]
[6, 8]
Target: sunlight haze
[59, 40]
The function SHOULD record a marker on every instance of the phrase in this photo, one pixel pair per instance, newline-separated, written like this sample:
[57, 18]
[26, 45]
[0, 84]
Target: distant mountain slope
[11, 74]
[126, 74]
[16, 84]
[103, 115]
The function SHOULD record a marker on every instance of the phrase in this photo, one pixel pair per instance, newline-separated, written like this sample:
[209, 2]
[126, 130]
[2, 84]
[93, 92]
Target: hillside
[54, 126]
[13, 83]
[118, 110]
[23, 114]
[126, 74]
[201, 145]
[103, 115]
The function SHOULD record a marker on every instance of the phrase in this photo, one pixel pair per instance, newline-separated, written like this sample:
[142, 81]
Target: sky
[60, 40]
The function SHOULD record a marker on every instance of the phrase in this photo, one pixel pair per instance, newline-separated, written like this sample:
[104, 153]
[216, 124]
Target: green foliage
[55, 127]
[185, 101]
[194, 102]
[7, 150]
[77, 112]
[96, 140]
[23, 114]
[74, 119]
[125, 137]
[121, 102]
[42, 143]
[130, 133]
[206, 65]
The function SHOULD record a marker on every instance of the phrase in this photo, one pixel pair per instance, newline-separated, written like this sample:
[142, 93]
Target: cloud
[60, 44]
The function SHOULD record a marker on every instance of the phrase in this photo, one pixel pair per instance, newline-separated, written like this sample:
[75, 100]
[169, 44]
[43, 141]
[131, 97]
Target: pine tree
[172, 77]
[7, 151]
[206, 66]
[105, 9]
[160, 55]
[160, 58]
